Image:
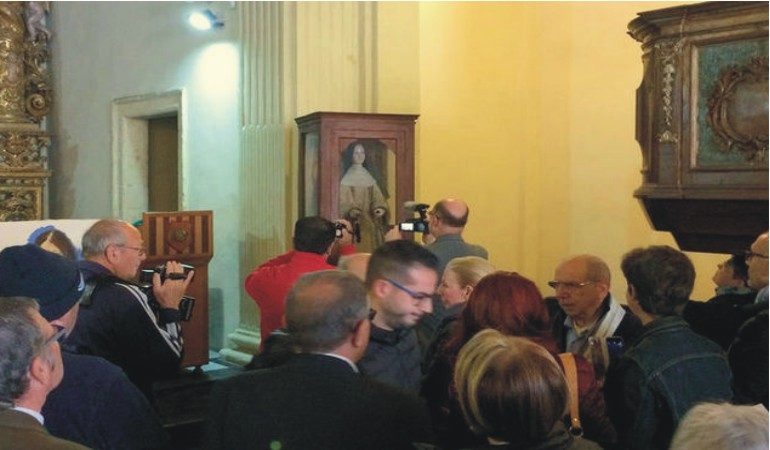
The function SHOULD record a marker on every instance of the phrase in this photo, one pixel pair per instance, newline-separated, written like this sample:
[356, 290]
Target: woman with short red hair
[512, 305]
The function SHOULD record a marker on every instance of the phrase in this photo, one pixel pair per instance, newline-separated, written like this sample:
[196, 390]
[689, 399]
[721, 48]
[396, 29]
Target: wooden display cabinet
[357, 166]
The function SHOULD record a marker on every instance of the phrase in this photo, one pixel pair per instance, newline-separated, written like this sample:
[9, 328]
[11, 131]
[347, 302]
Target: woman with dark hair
[512, 305]
[512, 392]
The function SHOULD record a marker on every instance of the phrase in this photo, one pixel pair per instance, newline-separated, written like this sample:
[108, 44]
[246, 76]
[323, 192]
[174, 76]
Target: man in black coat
[318, 399]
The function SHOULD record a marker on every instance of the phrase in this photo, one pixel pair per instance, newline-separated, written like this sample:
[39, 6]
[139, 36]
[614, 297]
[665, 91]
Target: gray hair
[20, 342]
[323, 308]
[101, 234]
[712, 426]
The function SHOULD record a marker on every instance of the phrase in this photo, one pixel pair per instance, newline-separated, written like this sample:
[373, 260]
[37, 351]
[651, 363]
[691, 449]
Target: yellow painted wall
[527, 112]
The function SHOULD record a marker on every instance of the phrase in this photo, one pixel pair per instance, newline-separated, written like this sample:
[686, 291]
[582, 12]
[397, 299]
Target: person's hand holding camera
[169, 292]
[346, 236]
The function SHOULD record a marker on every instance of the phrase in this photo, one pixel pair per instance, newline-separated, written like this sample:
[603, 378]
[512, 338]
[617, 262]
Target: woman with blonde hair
[511, 304]
[460, 277]
[513, 393]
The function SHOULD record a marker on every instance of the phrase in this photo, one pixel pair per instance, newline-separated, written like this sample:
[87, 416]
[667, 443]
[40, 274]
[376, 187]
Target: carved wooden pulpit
[187, 237]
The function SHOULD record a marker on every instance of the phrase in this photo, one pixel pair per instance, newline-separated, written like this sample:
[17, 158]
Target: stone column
[296, 58]
[263, 162]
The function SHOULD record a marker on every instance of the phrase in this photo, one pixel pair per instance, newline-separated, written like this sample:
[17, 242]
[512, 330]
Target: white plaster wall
[102, 51]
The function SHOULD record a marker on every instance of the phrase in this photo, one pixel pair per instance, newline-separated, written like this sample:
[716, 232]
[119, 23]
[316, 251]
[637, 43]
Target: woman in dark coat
[511, 304]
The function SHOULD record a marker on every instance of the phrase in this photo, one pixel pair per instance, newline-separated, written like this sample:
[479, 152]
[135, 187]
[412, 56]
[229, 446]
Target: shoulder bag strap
[570, 371]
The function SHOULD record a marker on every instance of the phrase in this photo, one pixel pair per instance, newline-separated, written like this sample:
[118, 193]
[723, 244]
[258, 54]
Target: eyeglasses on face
[413, 294]
[750, 255]
[140, 250]
[568, 285]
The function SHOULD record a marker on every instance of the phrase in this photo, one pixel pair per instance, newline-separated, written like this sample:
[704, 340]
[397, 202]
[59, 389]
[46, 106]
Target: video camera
[418, 224]
[186, 304]
[356, 231]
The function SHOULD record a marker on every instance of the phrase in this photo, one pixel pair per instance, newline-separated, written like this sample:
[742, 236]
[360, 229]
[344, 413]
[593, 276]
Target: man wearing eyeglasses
[32, 367]
[401, 280]
[318, 399]
[118, 321]
[748, 353]
[584, 314]
[95, 404]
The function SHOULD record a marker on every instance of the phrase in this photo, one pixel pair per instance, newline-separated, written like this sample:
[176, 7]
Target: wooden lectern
[187, 237]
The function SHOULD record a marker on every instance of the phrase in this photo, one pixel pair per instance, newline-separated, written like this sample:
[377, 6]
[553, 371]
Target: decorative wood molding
[738, 90]
[668, 55]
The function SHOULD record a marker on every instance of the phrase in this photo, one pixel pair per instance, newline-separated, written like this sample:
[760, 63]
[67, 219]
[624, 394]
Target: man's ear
[111, 253]
[39, 371]
[361, 334]
[604, 289]
[380, 288]
[631, 293]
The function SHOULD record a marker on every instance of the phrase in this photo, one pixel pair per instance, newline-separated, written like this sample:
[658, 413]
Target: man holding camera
[446, 222]
[315, 238]
[133, 328]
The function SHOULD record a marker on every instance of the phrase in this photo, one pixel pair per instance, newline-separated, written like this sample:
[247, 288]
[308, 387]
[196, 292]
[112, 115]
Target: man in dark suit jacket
[31, 367]
[318, 399]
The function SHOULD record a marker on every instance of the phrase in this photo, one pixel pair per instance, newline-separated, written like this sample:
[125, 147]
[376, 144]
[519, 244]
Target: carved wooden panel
[702, 122]
[187, 237]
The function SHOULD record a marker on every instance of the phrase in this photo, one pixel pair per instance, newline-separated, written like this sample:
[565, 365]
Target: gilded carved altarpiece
[25, 99]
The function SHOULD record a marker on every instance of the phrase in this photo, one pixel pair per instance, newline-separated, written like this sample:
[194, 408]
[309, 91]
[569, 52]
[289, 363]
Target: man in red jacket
[314, 240]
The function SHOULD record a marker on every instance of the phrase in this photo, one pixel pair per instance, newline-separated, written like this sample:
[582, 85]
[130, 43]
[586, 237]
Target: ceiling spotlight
[205, 20]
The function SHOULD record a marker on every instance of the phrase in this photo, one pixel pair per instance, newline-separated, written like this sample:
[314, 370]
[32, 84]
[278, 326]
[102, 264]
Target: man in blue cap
[95, 404]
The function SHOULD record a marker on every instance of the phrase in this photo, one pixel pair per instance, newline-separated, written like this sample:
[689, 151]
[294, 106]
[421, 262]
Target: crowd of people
[412, 346]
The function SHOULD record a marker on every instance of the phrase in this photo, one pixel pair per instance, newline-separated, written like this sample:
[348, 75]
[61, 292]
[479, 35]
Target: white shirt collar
[334, 355]
[35, 414]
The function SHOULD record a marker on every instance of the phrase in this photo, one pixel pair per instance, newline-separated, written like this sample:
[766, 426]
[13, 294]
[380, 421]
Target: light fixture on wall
[205, 20]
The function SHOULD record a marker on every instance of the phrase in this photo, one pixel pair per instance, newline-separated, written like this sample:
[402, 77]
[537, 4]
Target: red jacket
[269, 283]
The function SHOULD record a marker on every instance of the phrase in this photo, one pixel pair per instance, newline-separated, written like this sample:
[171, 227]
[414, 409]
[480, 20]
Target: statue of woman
[361, 201]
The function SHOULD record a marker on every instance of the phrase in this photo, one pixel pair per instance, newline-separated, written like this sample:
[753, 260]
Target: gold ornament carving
[20, 199]
[12, 54]
[738, 110]
[25, 100]
[21, 150]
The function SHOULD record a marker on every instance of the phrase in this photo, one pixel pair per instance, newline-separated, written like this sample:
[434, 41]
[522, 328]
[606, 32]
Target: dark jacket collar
[388, 337]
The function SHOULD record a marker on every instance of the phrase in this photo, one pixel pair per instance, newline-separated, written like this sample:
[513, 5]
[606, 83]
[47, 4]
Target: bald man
[446, 222]
[586, 311]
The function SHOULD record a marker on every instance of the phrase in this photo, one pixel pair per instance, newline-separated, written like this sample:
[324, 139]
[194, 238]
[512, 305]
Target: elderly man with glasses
[401, 280]
[748, 353]
[120, 322]
[585, 315]
[32, 367]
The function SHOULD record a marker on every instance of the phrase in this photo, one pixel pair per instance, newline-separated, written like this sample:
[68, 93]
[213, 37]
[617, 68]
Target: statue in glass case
[362, 200]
